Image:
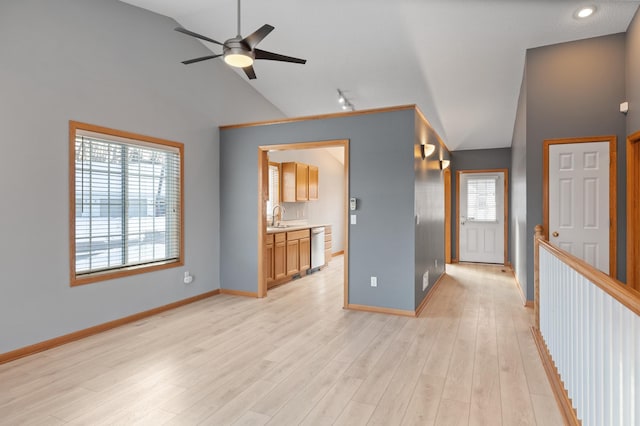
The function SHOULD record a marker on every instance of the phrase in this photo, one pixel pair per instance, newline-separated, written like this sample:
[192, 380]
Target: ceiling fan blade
[249, 72]
[196, 35]
[203, 58]
[263, 54]
[258, 35]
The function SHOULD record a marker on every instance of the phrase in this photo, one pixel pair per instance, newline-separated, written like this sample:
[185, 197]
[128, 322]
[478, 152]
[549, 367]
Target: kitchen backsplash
[295, 211]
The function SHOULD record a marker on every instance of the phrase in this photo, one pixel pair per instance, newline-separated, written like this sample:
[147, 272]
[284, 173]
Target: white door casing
[481, 217]
[579, 200]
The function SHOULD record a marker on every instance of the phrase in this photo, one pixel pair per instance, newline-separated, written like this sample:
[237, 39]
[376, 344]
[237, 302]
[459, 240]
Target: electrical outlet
[436, 263]
[425, 281]
[374, 282]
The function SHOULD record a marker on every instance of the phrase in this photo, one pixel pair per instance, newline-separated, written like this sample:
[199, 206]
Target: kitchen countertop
[275, 230]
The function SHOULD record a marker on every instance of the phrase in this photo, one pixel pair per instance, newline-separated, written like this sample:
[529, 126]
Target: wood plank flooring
[297, 357]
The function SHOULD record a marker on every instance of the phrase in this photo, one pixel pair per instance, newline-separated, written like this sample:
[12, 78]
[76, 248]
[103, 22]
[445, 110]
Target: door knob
[555, 234]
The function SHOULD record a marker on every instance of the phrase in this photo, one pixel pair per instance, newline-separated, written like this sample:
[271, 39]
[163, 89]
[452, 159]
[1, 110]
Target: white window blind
[481, 199]
[127, 203]
[274, 188]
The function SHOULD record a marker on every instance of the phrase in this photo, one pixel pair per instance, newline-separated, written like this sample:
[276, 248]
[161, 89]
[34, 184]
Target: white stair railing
[590, 325]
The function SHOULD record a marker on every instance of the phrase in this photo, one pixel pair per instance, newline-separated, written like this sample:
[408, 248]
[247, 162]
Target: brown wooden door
[313, 182]
[305, 254]
[293, 257]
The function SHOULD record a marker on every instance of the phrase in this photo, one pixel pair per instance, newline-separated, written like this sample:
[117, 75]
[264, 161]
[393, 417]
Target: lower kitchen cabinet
[286, 254]
[327, 244]
[279, 257]
[268, 259]
[293, 257]
[305, 253]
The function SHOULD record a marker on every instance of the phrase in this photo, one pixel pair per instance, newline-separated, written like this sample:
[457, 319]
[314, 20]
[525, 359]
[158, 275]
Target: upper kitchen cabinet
[313, 182]
[299, 182]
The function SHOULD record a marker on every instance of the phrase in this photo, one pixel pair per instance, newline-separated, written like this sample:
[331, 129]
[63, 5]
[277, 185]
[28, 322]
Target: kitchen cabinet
[268, 258]
[298, 251]
[293, 257]
[327, 244]
[299, 182]
[274, 258]
[305, 253]
[313, 183]
[302, 182]
[286, 254]
[279, 254]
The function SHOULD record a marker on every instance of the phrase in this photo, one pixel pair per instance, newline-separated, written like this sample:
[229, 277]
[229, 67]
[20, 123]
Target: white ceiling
[460, 61]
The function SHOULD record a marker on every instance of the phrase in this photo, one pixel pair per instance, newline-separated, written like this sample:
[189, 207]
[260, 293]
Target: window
[274, 189]
[126, 203]
[481, 199]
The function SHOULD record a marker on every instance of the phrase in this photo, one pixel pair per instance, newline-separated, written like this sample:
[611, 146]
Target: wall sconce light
[444, 164]
[426, 149]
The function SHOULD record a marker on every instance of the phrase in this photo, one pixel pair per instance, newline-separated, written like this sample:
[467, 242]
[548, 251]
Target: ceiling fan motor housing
[237, 53]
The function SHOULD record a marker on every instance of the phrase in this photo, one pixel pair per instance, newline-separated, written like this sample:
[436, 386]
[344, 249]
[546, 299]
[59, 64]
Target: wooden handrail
[539, 236]
[611, 286]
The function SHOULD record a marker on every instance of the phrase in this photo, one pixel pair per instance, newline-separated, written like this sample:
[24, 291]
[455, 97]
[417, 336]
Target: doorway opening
[579, 198]
[481, 216]
[340, 150]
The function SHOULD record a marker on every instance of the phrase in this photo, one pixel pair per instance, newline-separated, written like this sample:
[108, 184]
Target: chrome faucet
[273, 213]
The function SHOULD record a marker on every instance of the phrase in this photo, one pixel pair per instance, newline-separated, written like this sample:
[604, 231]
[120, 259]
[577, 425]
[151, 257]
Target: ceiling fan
[240, 52]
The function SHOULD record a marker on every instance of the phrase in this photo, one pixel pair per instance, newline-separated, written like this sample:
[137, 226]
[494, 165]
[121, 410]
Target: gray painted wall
[574, 90]
[518, 190]
[381, 176]
[633, 74]
[111, 64]
[475, 159]
[329, 207]
[429, 212]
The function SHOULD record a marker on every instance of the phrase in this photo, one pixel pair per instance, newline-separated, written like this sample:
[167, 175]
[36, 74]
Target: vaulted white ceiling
[460, 61]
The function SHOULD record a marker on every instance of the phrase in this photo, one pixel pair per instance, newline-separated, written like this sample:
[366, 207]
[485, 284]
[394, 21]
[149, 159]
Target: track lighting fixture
[346, 104]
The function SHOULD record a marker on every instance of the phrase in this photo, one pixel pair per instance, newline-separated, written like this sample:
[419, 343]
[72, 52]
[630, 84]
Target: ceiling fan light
[238, 60]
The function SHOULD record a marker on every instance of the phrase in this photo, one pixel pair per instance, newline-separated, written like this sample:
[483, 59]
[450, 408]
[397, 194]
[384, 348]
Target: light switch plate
[353, 219]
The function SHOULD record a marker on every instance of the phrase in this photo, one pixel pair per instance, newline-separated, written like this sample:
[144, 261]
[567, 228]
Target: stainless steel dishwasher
[317, 247]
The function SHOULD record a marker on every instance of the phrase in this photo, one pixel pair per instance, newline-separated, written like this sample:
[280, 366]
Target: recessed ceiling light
[585, 12]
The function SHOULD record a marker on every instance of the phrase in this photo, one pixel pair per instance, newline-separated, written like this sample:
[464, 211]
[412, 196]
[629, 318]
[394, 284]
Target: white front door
[481, 201]
[579, 200]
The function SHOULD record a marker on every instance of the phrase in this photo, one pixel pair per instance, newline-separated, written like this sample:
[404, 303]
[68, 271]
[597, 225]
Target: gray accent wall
[518, 191]
[474, 159]
[633, 74]
[381, 176]
[111, 64]
[429, 213]
[574, 90]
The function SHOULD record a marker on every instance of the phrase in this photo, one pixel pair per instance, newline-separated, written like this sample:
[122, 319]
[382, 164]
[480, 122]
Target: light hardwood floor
[297, 357]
